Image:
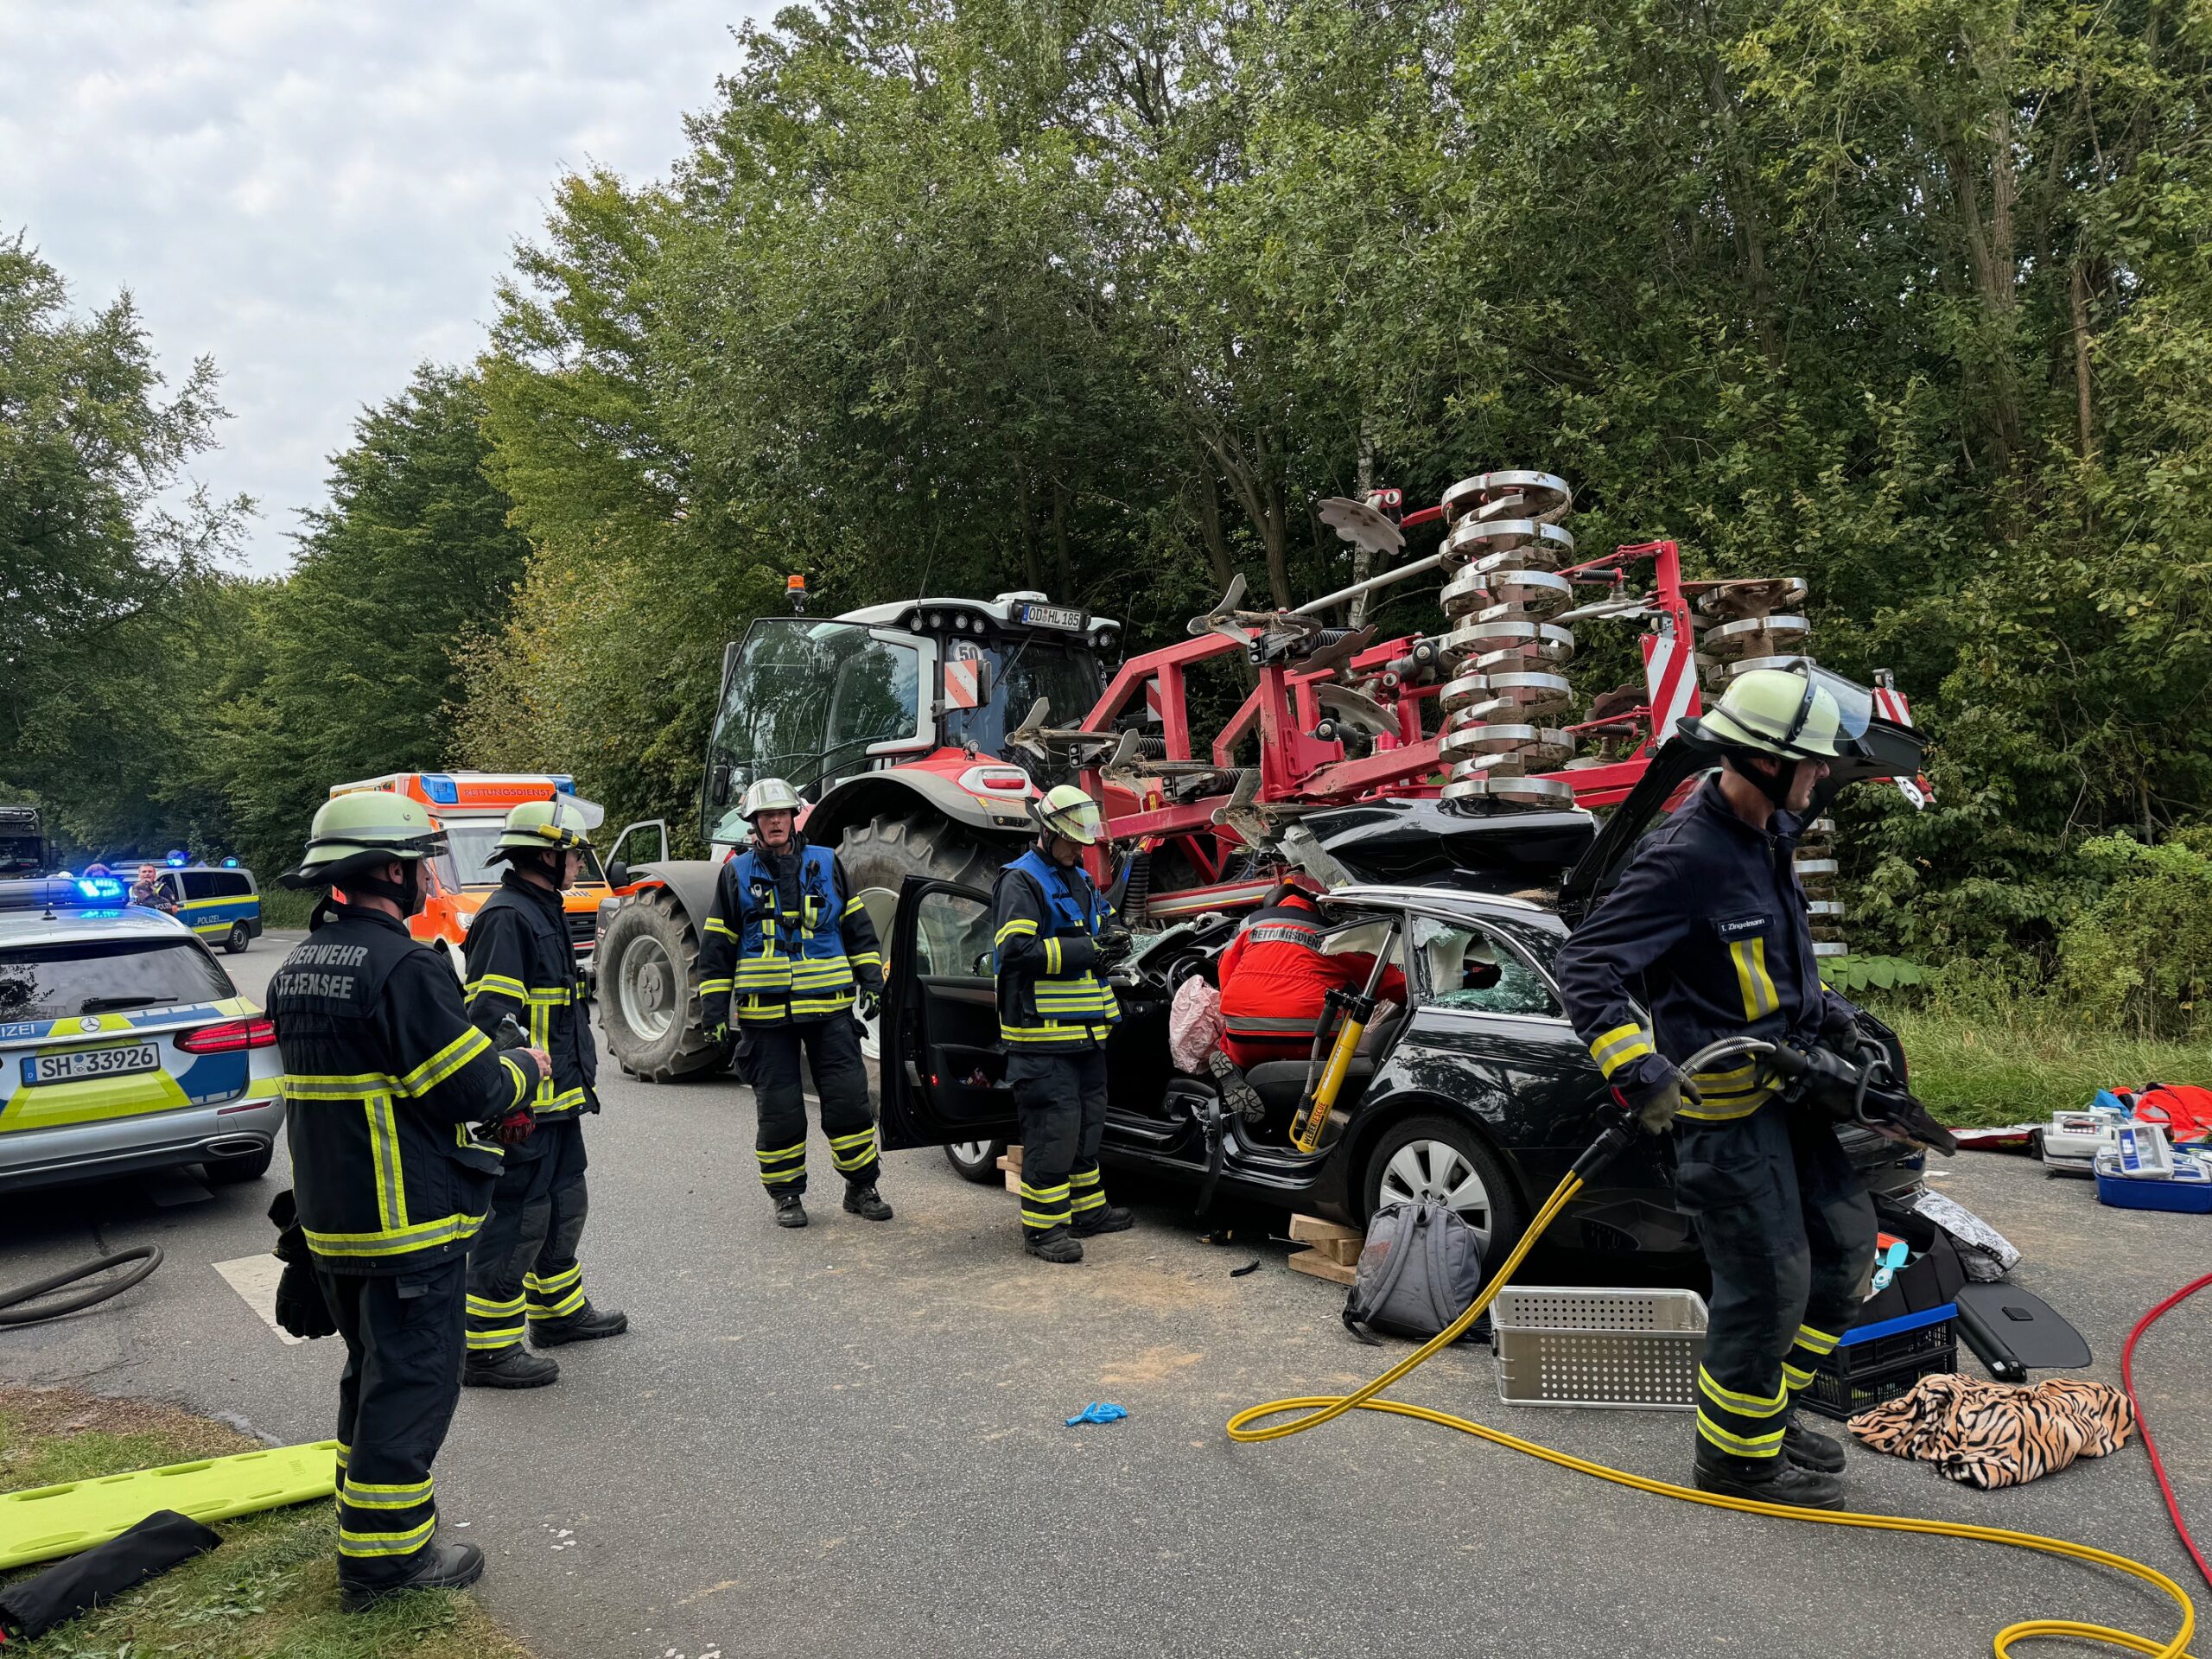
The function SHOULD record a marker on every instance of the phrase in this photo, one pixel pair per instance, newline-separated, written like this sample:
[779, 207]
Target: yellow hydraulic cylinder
[1305, 1132]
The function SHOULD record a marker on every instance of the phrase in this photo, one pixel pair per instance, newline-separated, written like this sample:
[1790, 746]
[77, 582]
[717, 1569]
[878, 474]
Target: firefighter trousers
[508, 1247]
[832, 1049]
[1061, 1100]
[1788, 1230]
[554, 1284]
[395, 1397]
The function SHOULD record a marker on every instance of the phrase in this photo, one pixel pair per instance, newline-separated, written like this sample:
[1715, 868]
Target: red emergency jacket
[1274, 978]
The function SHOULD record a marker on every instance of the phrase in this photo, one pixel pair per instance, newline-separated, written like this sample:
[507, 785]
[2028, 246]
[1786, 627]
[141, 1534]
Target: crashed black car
[1475, 1092]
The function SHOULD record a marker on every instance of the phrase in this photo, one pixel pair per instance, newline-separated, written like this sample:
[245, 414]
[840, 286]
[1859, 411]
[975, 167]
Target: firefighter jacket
[1046, 921]
[1707, 930]
[786, 939]
[1275, 979]
[518, 961]
[383, 1077]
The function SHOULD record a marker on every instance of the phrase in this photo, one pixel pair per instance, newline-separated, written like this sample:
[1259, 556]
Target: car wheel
[976, 1160]
[1437, 1158]
[237, 938]
[245, 1166]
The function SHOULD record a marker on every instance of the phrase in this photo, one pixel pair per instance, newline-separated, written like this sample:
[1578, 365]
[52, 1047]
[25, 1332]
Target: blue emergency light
[97, 887]
[563, 785]
[440, 788]
[179, 858]
[230, 863]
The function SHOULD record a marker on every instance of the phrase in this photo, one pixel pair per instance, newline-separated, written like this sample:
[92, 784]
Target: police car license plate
[82, 1062]
[1051, 616]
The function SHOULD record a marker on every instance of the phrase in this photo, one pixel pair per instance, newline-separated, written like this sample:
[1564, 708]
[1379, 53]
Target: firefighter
[1054, 934]
[520, 964]
[1707, 928]
[790, 950]
[1275, 978]
[383, 1078]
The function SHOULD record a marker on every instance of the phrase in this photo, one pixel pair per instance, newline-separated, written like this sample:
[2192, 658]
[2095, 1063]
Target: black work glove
[514, 1129]
[1114, 944]
[868, 1002]
[1839, 1029]
[1655, 1104]
[300, 1309]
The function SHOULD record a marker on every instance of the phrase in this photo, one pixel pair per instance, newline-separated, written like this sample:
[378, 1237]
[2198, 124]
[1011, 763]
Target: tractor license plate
[1053, 616]
[82, 1062]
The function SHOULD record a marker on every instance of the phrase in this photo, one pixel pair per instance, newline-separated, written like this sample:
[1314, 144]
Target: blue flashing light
[179, 858]
[440, 788]
[563, 785]
[97, 887]
[230, 863]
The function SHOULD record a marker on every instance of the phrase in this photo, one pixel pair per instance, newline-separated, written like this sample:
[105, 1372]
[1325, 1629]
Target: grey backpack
[1420, 1268]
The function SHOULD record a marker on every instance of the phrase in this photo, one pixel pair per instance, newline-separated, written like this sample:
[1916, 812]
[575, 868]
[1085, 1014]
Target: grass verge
[2019, 1063]
[269, 1592]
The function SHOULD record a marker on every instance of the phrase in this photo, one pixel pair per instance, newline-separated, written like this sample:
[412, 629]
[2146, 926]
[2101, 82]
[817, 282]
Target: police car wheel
[1437, 1158]
[976, 1160]
[246, 1166]
[236, 939]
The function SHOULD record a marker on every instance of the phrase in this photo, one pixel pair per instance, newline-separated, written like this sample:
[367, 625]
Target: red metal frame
[1296, 767]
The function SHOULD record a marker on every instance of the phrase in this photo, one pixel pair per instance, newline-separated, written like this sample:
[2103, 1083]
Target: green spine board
[46, 1522]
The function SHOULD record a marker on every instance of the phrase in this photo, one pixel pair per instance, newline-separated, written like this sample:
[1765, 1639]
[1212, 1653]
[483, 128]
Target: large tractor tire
[648, 987]
[880, 855]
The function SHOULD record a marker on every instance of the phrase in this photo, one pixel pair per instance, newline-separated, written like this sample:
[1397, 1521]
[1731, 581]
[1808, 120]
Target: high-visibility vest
[791, 963]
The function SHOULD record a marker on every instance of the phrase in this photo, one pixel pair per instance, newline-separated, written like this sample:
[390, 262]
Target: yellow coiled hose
[1319, 1408]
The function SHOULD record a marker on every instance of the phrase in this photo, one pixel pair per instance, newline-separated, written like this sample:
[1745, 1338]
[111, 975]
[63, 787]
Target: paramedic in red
[1273, 978]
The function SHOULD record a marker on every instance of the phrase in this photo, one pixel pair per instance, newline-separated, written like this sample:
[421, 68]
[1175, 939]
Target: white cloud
[318, 195]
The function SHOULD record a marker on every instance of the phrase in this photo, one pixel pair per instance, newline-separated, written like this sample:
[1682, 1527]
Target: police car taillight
[259, 1032]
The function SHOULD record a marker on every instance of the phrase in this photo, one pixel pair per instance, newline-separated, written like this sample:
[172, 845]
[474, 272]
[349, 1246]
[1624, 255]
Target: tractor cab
[819, 702]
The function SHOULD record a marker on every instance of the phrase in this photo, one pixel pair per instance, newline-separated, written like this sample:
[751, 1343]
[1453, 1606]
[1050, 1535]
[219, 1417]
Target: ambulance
[471, 807]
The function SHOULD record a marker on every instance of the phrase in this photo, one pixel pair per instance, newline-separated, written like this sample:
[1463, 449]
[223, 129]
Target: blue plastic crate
[2182, 1198]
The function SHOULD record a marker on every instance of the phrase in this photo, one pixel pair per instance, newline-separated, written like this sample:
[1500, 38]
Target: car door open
[942, 1073]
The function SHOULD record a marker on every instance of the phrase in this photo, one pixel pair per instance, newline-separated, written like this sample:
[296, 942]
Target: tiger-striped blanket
[1989, 1434]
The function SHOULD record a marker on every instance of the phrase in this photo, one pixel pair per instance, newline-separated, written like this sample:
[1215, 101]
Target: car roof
[1501, 906]
[66, 925]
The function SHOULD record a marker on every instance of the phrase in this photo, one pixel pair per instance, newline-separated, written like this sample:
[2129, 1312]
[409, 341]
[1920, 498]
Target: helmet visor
[1078, 823]
[1854, 703]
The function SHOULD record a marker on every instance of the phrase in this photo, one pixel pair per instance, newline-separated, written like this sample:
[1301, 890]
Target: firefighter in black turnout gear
[1055, 937]
[521, 965]
[396, 1107]
[1707, 930]
[788, 951]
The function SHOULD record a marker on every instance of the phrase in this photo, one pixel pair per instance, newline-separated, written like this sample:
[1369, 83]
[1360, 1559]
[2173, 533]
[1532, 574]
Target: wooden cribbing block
[1338, 1243]
[1011, 1163]
[1321, 1267]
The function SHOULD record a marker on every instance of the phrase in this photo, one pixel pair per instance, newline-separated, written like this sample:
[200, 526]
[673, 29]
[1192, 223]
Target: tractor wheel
[879, 855]
[649, 991]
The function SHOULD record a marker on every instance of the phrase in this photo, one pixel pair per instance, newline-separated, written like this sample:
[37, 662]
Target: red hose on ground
[2127, 1382]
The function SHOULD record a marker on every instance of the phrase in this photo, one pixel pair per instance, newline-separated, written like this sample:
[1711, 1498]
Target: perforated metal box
[1565, 1346]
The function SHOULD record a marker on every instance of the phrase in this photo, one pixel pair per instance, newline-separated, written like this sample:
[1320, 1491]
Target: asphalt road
[849, 1440]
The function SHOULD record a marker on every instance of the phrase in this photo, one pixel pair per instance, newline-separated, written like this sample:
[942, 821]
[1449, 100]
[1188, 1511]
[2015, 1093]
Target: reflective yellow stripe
[1816, 1342]
[1619, 1046]
[385, 1543]
[1017, 926]
[1725, 1111]
[1053, 955]
[1760, 998]
[492, 1310]
[299, 1085]
[396, 1240]
[799, 1151]
[1750, 1405]
[851, 905]
[715, 925]
[1794, 1376]
[545, 1285]
[715, 986]
[384, 1154]
[497, 984]
[447, 1061]
[1743, 1446]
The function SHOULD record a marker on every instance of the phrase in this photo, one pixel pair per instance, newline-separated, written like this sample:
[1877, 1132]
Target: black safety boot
[866, 1201]
[514, 1367]
[1810, 1449]
[440, 1566]
[1052, 1244]
[789, 1211]
[587, 1324]
[1800, 1489]
[1107, 1218]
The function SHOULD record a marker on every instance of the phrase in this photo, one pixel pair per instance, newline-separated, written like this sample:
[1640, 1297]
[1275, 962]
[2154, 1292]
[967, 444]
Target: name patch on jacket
[319, 973]
[1736, 927]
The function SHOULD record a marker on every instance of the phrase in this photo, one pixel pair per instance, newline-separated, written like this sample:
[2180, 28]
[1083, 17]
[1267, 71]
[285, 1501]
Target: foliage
[2020, 1063]
[2139, 955]
[1853, 974]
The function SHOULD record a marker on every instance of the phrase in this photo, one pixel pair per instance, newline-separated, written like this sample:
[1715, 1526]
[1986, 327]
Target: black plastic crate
[1866, 1374]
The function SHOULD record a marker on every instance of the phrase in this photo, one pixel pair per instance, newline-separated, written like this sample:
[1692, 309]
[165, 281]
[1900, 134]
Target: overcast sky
[321, 195]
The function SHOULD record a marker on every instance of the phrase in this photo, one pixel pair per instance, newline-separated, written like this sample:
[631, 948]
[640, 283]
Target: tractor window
[1066, 677]
[806, 698]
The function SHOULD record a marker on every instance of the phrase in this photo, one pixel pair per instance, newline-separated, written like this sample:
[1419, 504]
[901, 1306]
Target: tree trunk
[2084, 413]
[1363, 559]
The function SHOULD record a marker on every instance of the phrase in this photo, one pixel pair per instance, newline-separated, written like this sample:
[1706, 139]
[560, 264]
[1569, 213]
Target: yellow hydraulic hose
[1319, 1408]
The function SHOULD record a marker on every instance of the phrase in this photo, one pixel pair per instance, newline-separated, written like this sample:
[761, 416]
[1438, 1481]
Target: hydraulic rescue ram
[1359, 1008]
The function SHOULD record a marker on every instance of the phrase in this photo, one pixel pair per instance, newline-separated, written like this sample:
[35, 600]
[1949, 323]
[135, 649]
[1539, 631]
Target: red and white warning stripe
[963, 683]
[1890, 703]
[1669, 681]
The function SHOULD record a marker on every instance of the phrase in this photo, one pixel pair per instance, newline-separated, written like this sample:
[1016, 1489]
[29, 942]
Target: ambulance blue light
[440, 788]
[563, 785]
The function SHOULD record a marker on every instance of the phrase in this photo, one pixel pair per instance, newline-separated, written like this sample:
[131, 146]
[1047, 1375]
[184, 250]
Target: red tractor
[919, 731]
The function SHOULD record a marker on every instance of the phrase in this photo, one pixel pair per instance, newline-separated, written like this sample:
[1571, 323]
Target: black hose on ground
[147, 1256]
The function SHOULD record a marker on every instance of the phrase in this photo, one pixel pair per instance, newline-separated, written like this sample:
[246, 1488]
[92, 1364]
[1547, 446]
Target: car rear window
[54, 982]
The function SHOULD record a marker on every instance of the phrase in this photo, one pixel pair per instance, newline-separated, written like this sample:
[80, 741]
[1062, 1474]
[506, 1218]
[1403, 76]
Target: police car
[125, 1047]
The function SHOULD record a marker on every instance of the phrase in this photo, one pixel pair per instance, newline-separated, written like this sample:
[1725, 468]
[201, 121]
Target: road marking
[254, 1278]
